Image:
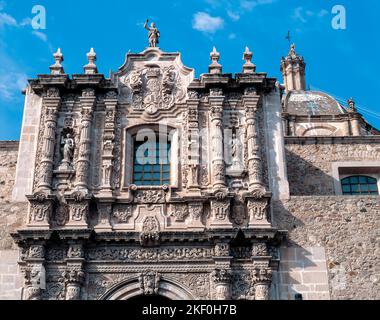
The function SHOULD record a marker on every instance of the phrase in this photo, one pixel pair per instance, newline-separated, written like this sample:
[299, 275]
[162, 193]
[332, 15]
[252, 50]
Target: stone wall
[309, 161]
[8, 161]
[12, 216]
[10, 277]
[348, 228]
[303, 271]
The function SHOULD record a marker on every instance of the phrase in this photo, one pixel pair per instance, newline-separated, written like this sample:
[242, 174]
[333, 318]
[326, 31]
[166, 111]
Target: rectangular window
[151, 163]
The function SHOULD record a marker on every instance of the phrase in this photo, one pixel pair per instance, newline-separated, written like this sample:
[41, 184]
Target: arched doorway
[129, 289]
[149, 299]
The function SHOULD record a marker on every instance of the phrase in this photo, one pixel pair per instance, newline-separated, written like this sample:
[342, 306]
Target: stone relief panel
[153, 80]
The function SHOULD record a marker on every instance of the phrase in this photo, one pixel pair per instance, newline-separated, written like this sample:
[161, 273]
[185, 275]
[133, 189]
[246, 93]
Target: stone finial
[351, 103]
[215, 67]
[91, 68]
[248, 67]
[57, 68]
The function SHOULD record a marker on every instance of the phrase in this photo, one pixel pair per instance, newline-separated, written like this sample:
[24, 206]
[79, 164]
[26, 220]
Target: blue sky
[341, 62]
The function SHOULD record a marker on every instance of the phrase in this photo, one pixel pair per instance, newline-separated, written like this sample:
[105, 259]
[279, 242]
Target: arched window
[151, 162]
[357, 185]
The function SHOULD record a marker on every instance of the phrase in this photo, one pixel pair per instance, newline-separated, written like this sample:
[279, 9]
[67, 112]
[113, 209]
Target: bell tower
[293, 71]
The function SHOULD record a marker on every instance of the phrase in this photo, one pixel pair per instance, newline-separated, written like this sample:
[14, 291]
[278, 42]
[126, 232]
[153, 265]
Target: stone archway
[131, 288]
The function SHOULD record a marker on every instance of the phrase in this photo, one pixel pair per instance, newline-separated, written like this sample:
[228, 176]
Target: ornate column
[222, 274]
[262, 279]
[83, 163]
[74, 275]
[34, 272]
[222, 283]
[216, 100]
[193, 143]
[108, 143]
[51, 103]
[250, 102]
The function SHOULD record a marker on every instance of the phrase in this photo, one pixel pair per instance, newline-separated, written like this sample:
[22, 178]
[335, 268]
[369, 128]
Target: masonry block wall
[12, 216]
[310, 160]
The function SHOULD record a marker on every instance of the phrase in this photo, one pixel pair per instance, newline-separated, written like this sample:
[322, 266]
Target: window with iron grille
[151, 163]
[357, 185]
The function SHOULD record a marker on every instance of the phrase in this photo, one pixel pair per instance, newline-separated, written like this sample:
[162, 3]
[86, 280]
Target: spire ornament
[215, 67]
[351, 103]
[57, 68]
[248, 67]
[91, 68]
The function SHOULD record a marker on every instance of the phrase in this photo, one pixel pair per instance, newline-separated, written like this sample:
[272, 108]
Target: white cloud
[233, 15]
[250, 5]
[322, 13]
[298, 15]
[304, 15]
[11, 83]
[202, 21]
[25, 22]
[40, 35]
[7, 20]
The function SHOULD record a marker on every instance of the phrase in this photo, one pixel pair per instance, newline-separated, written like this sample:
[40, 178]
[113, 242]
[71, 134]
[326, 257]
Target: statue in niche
[236, 151]
[68, 144]
[153, 35]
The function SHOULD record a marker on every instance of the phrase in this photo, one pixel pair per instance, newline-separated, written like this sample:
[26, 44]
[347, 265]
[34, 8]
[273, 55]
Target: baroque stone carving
[220, 209]
[149, 283]
[75, 252]
[36, 252]
[180, 212]
[122, 214]
[150, 196]
[154, 88]
[222, 279]
[258, 209]
[222, 250]
[259, 249]
[149, 254]
[150, 233]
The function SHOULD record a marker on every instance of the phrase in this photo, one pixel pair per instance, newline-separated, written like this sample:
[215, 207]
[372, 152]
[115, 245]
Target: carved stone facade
[96, 230]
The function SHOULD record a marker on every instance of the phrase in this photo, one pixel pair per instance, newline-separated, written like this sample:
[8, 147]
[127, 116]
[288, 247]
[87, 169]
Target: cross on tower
[288, 37]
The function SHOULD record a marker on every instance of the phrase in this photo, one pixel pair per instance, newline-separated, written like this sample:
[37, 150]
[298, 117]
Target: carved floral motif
[122, 214]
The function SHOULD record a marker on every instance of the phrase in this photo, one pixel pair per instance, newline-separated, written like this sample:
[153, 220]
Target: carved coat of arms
[153, 88]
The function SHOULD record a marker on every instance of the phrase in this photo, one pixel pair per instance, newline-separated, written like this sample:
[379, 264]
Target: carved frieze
[150, 196]
[148, 254]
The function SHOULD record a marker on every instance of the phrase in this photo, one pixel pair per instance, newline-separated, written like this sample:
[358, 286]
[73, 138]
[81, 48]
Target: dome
[311, 103]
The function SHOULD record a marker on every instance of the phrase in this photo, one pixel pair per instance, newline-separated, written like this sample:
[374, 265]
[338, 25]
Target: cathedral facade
[155, 183]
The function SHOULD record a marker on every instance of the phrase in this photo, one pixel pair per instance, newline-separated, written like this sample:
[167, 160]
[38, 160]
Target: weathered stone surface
[310, 165]
[348, 229]
[8, 162]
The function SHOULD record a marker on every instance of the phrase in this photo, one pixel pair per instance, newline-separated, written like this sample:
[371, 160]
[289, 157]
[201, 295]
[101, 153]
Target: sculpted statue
[153, 35]
[68, 151]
